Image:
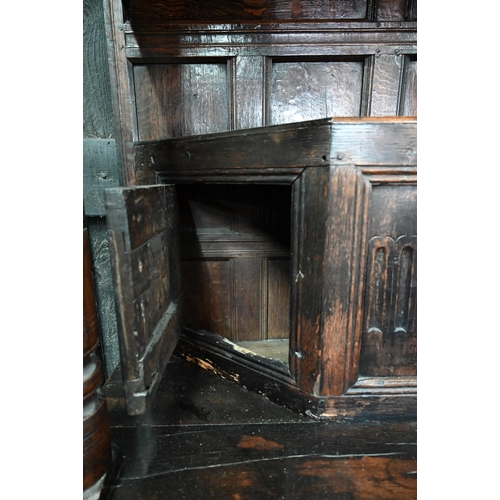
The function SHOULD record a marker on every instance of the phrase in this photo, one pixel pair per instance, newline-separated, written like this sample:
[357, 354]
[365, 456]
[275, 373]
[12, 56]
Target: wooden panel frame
[331, 166]
[248, 48]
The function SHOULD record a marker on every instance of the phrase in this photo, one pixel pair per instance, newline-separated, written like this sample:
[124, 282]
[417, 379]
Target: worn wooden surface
[142, 14]
[145, 253]
[100, 170]
[206, 437]
[280, 153]
[352, 276]
[181, 69]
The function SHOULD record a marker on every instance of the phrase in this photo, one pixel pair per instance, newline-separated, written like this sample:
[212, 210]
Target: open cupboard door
[145, 258]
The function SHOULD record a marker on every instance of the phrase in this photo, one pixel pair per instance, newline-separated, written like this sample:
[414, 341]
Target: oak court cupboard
[265, 226]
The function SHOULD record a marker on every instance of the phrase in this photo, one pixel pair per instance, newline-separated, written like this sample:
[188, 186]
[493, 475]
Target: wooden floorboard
[206, 437]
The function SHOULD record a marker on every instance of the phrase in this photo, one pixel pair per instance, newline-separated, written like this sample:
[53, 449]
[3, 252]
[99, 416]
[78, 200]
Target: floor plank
[206, 437]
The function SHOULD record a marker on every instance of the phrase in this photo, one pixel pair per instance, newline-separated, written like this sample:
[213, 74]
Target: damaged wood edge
[370, 398]
[269, 378]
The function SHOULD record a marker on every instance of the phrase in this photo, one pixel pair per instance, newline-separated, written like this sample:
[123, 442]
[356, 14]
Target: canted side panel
[389, 339]
[308, 90]
[174, 100]
[144, 248]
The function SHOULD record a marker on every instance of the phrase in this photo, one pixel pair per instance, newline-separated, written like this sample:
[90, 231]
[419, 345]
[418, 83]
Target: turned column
[97, 455]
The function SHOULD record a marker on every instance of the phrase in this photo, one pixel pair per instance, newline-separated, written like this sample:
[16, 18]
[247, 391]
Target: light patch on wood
[236, 347]
[206, 365]
[202, 363]
[258, 443]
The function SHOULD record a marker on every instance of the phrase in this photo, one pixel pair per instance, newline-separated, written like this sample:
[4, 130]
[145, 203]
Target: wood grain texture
[247, 298]
[389, 346]
[228, 234]
[388, 142]
[217, 440]
[143, 14]
[99, 173]
[207, 295]
[387, 68]
[97, 109]
[97, 459]
[344, 255]
[175, 100]
[278, 299]
[122, 100]
[145, 256]
[288, 148]
[391, 10]
[104, 294]
[307, 90]
[408, 104]
[249, 93]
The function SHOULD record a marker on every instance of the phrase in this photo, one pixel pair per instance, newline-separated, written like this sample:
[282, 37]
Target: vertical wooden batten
[101, 460]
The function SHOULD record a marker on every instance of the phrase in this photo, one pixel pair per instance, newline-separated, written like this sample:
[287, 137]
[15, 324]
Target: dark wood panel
[207, 293]
[249, 91]
[389, 343]
[287, 148]
[311, 198]
[379, 146]
[174, 100]
[391, 10]
[218, 440]
[279, 153]
[144, 13]
[145, 256]
[104, 293]
[235, 213]
[344, 256]
[97, 108]
[294, 461]
[206, 209]
[278, 299]
[195, 396]
[251, 204]
[311, 90]
[247, 299]
[385, 92]
[248, 223]
[408, 105]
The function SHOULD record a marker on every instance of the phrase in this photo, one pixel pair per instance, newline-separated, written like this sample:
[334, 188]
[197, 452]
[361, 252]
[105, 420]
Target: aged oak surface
[206, 437]
[344, 189]
[101, 458]
[145, 255]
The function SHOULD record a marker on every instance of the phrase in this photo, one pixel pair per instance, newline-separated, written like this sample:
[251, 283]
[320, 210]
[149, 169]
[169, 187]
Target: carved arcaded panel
[389, 333]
